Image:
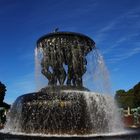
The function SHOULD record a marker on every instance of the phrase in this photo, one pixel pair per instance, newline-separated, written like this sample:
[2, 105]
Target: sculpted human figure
[78, 65]
[68, 62]
[76, 62]
[52, 63]
[45, 63]
[64, 58]
[58, 65]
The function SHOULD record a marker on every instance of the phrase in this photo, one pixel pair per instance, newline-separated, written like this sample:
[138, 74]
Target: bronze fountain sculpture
[65, 106]
[64, 48]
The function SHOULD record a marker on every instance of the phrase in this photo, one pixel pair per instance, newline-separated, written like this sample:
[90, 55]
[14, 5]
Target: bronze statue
[64, 57]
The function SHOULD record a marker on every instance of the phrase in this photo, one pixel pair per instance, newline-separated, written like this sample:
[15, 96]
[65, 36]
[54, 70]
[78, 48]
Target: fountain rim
[53, 34]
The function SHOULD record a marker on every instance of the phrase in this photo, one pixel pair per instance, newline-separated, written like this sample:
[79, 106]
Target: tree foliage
[130, 98]
[2, 92]
[2, 95]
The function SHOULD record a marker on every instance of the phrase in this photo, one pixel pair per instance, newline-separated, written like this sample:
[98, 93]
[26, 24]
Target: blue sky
[113, 24]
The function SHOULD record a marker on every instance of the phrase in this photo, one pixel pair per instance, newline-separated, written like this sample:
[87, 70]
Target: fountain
[65, 106]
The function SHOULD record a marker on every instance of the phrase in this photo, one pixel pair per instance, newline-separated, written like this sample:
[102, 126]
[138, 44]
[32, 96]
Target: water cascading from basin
[75, 112]
[96, 78]
[65, 106]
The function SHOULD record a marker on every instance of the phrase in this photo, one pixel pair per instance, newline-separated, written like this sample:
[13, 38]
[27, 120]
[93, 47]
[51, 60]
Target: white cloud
[118, 23]
[117, 46]
[123, 55]
[126, 30]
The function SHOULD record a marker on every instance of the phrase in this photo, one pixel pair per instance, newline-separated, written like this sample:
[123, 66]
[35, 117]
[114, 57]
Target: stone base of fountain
[58, 110]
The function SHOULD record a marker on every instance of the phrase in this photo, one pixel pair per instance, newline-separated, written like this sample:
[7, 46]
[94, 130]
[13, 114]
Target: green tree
[136, 92]
[130, 98]
[2, 95]
[2, 92]
[119, 97]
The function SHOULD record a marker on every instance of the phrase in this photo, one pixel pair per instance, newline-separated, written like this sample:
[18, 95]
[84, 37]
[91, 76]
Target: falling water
[97, 79]
[103, 112]
[97, 76]
[100, 108]
[99, 112]
[40, 80]
[67, 110]
[101, 74]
